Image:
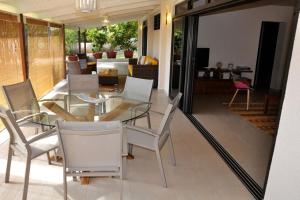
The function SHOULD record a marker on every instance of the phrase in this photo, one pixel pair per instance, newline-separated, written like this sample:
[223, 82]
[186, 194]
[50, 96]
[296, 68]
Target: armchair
[155, 140]
[29, 148]
[145, 70]
[23, 103]
[101, 149]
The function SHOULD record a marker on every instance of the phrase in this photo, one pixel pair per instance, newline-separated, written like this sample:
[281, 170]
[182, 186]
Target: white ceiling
[64, 11]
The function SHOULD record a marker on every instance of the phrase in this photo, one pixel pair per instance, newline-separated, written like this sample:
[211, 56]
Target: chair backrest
[83, 63]
[73, 67]
[138, 89]
[89, 146]
[16, 135]
[21, 96]
[83, 83]
[164, 128]
[176, 100]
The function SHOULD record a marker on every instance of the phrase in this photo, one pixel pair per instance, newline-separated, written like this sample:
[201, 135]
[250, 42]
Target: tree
[71, 39]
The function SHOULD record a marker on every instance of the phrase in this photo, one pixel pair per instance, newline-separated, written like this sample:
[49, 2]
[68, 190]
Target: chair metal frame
[155, 140]
[99, 133]
[23, 116]
[26, 147]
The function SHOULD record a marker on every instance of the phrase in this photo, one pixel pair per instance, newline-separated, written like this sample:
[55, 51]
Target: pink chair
[241, 86]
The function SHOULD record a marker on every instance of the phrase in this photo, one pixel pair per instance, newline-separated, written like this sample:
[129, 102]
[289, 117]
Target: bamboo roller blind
[57, 54]
[39, 60]
[10, 56]
[45, 57]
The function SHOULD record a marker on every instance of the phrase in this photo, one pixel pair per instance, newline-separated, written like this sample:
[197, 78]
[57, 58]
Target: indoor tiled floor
[199, 174]
[250, 146]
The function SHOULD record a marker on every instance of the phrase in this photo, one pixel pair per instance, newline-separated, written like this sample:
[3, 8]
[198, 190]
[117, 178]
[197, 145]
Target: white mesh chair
[23, 103]
[73, 67]
[140, 90]
[92, 149]
[84, 83]
[29, 148]
[155, 140]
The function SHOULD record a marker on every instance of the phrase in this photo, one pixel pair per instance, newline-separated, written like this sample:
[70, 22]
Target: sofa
[146, 67]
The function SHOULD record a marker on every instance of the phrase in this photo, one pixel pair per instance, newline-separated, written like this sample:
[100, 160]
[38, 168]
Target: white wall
[233, 37]
[156, 42]
[284, 177]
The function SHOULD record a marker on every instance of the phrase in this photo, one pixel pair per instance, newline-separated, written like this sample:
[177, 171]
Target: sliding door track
[244, 177]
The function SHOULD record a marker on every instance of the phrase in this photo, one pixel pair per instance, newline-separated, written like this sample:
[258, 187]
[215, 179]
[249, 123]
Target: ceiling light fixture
[105, 20]
[86, 5]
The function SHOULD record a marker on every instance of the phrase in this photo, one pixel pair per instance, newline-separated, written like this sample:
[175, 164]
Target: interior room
[240, 65]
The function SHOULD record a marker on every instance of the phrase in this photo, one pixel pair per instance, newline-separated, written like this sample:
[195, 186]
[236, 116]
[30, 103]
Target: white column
[284, 177]
[167, 6]
[140, 36]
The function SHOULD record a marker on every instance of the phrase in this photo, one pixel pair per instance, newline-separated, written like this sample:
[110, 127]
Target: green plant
[98, 37]
[124, 35]
[71, 39]
[177, 40]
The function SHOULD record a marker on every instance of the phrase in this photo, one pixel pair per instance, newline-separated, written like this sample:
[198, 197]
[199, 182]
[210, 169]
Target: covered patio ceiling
[64, 11]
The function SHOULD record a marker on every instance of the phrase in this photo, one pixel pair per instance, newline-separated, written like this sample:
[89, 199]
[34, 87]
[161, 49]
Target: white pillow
[142, 60]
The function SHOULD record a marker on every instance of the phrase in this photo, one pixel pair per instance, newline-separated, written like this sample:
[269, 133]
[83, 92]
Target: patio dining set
[93, 132]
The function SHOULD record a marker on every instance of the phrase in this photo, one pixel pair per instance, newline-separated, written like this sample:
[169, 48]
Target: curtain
[10, 56]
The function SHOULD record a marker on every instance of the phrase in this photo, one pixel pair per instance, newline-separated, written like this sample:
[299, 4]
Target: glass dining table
[105, 106]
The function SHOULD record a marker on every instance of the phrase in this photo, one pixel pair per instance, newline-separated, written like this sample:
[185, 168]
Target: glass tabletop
[87, 107]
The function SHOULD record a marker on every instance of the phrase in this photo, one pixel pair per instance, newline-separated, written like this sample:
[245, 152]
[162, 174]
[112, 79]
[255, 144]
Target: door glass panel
[177, 68]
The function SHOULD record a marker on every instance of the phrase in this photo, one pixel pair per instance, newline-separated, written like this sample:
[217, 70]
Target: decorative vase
[97, 55]
[72, 58]
[128, 54]
[111, 54]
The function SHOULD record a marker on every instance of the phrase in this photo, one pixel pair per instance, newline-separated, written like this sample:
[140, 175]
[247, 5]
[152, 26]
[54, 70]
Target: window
[157, 22]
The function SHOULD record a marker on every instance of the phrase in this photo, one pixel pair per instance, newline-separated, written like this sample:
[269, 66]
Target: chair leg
[8, 165]
[26, 180]
[236, 92]
[248, 98]
[148, 119]
[48, 158]
[130, 147]
[172, 153]
[161, 168]
[36, 131]
[65, 186]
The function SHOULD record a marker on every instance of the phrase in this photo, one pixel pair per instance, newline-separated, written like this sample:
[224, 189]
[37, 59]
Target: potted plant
[125, 35]
[129, 47]
[110, 50]
[98, 37]
[70, 42]
[72, 56]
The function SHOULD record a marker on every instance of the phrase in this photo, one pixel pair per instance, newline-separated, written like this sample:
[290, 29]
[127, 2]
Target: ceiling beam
[102, 12]
[127, 15]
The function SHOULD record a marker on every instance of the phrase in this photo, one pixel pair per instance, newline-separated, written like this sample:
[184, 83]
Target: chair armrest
[157, 112]
[43, 100]
[140, 129]
[28, 116]
[41, 136]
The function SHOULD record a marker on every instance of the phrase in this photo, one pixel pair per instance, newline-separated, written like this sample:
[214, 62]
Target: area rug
[267, 122]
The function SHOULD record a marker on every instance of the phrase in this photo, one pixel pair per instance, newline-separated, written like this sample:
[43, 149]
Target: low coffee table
[108, 77]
